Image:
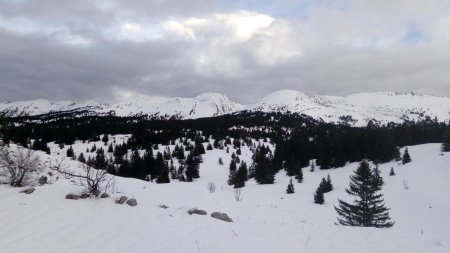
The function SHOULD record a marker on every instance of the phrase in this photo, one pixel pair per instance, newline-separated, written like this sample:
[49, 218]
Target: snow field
[266, 220]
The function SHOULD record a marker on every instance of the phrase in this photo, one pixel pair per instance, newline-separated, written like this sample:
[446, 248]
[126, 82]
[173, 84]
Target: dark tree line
[329, 144]
[334, 145]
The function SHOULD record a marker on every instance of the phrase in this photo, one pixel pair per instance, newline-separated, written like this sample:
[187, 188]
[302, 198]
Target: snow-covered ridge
[204, 105]
[383, 107]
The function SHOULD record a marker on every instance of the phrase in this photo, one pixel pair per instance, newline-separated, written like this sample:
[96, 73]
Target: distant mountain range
[357, 109]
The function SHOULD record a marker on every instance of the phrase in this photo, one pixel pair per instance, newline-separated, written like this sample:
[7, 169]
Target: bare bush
[405, 185]
[211, 187]
[238, 194]
[93, 181]
[17, 167]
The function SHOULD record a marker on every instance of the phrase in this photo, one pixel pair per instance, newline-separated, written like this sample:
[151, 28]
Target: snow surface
[266, 220]
[384, 107]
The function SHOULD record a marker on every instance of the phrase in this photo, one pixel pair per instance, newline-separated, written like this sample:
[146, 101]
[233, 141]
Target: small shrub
[211, 187]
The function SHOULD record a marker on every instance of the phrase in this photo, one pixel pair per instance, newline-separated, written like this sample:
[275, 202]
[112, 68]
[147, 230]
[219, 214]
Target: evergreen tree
[192, 168]
[299, 176]
[290, 187]
[70, 152]
[105, 139]
[233, 166]
[392, 173]
[110, 148]
[377, 175]
[163, 177]
[124, 169]
[158, 166]
[209, 147]
[406, 158]
[199, 149]
[137, 167]
[166, 155]
[397, 156]
[251, 171]
[81, 158]
[446, 141]
[220, 161]
[318, 196]
[241, 176]
[329, 185]
[368, 209]
[232, 175]
[326, 184]
[264, 172]
[216, 143]
[291, 169]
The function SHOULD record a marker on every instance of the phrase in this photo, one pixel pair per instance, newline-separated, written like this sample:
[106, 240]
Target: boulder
[132, 202]
[28, 190]
[84, 196]
[221, 216]
[43, 180]
[104, 195]
[72, 196]
[121, 200]
[197, 211]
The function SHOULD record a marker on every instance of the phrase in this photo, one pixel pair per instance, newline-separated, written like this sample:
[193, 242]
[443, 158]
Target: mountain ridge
[355, 109]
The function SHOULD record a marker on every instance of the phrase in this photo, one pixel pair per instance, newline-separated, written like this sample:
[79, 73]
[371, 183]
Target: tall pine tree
[368, 209]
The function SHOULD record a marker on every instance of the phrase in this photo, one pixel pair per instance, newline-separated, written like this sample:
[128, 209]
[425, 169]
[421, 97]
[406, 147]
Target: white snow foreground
[266, 220]
[383, 107]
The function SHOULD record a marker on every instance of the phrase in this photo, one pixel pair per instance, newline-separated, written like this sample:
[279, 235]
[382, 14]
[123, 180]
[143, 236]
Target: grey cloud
[35, 65]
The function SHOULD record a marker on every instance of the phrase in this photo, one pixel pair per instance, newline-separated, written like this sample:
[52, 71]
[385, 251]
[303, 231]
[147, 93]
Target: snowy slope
[204, 105]
[266, 220]
[383, 107]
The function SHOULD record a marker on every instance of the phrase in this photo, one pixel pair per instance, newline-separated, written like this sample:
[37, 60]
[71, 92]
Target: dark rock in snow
[43, 180]
[84, 196]
[121, 200]
[28, 191]
[221, 216]
[72, 196]
[197, 211]
[104, 195]
[132, 202]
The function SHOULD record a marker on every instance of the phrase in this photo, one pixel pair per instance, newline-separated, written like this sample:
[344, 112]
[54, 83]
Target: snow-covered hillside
[204, 105]
[383, 107]
[266, 220]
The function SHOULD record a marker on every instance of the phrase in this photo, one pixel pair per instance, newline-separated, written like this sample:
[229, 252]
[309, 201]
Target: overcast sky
[113, 49]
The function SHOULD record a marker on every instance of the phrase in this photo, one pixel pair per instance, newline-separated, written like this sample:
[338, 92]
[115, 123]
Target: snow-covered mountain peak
[358, 109]
[284, 101]
[284, 98]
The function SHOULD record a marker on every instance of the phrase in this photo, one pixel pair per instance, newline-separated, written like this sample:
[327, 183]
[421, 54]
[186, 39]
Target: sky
[117, 49]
